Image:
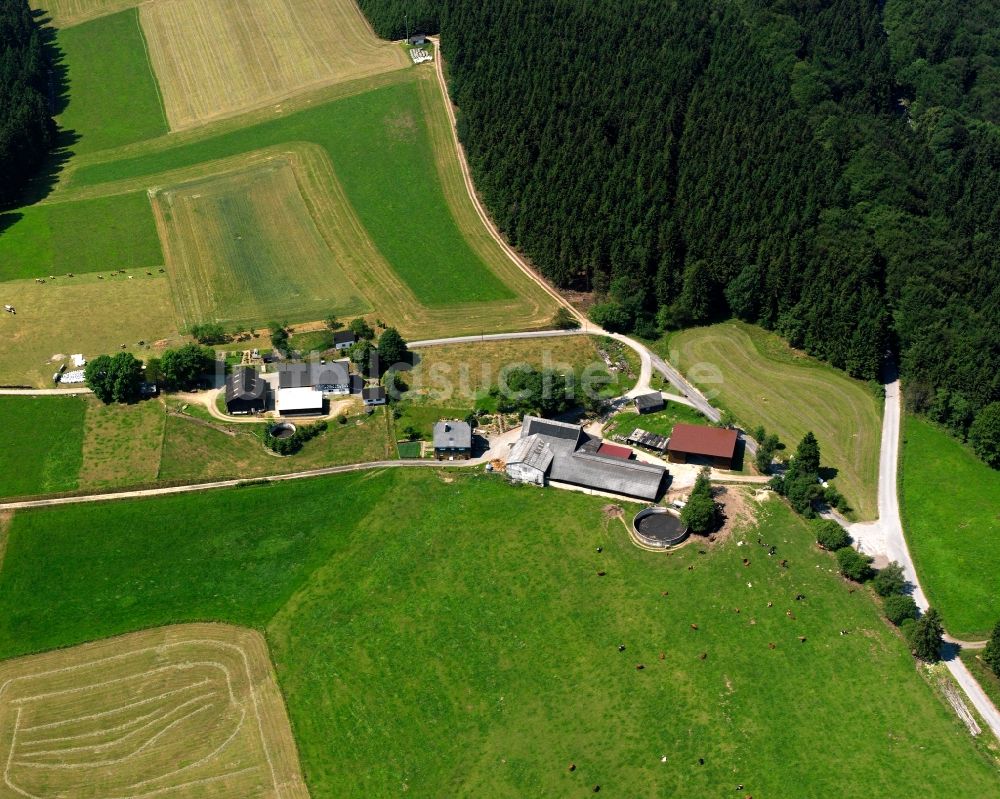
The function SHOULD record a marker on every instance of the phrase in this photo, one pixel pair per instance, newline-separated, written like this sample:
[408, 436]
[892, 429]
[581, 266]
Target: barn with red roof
[691, 443]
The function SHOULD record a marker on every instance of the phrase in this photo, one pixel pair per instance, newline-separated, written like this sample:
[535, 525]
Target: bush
[342, 418]
[984, 434]
[854, 565]
[612, 317]
[700, 513]
[926, 636]
[182, 368]
[279, 337]
[900, 607]
[564, 320]
[889, 580]
[114, 378]
[289, 446]
[831, 536]
[991, 654]
[209, 333]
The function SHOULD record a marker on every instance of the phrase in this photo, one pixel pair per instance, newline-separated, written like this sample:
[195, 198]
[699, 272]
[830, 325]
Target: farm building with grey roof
[561, 453]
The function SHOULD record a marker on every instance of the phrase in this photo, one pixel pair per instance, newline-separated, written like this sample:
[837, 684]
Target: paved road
[43, 392]
[885, 537]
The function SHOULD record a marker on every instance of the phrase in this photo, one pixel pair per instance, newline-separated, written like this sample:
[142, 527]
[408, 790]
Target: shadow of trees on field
[45, 179]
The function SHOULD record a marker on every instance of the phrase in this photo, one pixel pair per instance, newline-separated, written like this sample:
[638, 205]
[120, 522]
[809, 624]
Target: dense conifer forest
[815, 166]
[392, 18]
[26, 128]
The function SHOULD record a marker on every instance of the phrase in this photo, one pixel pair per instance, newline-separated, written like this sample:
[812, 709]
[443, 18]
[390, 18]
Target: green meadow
[95, 235]
[442, 633]
[40, 444]
[381, 151]
[662, 422]
[113, 95]
[950, 501]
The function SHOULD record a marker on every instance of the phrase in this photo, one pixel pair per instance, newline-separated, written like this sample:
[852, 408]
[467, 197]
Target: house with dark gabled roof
[649, 403]
[373, 395]
[344, 339]
[452, 440]
[246, 392]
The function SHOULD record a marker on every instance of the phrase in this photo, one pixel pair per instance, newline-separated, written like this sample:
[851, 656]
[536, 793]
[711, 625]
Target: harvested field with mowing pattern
[243, 249]
[188, 711]
[215, 58]
[444, 275]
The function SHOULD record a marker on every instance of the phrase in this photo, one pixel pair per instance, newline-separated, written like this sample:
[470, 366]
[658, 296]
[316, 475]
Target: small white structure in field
[78, 361]
[419, 55]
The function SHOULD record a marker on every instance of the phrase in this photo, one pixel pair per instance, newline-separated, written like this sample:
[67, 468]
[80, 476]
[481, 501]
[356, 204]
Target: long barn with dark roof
[551, 452]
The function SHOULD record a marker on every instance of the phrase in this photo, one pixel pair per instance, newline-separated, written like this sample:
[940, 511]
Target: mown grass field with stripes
[762, 381]
[189, 711]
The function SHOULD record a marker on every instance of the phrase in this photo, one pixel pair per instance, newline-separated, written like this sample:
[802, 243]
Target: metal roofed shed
[716, 445]
[299, 402]
[330, 378]
[611, 475]
[649, 403]
[646, 440]
[373, 395]
[452, 440]
[529, 460]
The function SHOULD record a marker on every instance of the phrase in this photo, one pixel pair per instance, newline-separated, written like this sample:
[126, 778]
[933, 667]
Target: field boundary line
[152, 71]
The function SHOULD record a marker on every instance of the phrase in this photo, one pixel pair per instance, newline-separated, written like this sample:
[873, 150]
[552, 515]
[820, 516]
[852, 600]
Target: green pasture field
[206, 449]
[762, 381]
[409, 449]
[40, 444]
[662, 422]
[380, 148]
[949, 501]
[114, 98]
[83, 314]
[313, 341]
[473, 649]
[78, 443]
[121, 444]
[94, 235]
[422, 418]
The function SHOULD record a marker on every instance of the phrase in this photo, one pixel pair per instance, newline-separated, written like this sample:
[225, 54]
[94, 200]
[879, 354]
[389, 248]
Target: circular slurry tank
[659, 527]
[283, 430]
